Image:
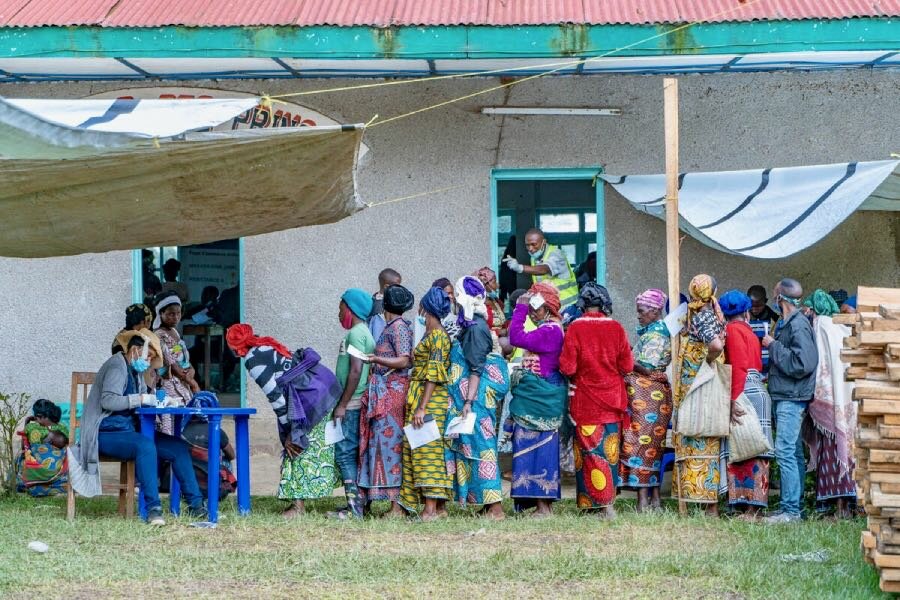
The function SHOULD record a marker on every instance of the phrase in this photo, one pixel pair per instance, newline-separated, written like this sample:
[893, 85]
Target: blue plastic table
[241, 446]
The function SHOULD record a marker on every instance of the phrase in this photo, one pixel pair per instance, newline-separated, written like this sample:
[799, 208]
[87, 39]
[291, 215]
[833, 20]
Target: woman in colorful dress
[697, 475]
[649, 401]
[538, 402]
[479, 379]
[496, 315]
[306, 473]
[450, 323]
[383, 412]
[832, 412]
[748, 480]
[596, 357]
[177, 376]
[425, 477]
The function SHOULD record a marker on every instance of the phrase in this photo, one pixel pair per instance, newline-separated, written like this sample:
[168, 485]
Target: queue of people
[545, 373]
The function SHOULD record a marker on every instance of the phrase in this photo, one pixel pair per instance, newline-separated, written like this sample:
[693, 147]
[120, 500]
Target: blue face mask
[494, 295]
[539, 253]
[140, 365]
[421, 320]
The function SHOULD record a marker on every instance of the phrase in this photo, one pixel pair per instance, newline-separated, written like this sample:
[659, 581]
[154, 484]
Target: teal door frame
[584, 173]
[137, 296]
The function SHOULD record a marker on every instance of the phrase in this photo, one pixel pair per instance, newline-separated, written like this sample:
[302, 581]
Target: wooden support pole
[673, 260]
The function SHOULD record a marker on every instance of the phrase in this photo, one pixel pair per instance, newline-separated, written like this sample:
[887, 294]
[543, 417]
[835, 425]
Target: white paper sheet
[675, 320]
[460, 426]
[354, 351]
[536, 301]
[424, 435]
[334, 433]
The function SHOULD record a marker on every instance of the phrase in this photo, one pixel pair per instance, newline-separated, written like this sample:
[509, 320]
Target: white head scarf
[471, 304]
[167, 301]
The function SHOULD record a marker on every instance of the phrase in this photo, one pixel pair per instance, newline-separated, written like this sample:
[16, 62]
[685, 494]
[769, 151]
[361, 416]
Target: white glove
[513, 265]
[148, 400]
[171, 402]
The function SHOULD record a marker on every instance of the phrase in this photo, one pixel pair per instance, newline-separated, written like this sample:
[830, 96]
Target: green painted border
[449, 42]
[589, 173]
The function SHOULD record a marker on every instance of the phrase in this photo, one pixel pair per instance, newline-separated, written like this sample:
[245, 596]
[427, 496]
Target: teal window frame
[574, 173]
[137, 296]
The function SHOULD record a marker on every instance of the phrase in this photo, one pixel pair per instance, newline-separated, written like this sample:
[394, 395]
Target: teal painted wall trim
[137, 277]
[449, 42]
[591, 173]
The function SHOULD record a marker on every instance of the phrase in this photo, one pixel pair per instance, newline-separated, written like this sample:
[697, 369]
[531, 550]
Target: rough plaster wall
[293, 279]
[57, 316]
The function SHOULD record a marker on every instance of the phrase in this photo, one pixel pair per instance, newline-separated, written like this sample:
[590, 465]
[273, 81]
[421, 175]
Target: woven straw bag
[747, 439]
[706, 410]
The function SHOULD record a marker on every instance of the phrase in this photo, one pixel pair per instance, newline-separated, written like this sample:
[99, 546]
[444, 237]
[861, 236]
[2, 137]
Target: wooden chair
[127, 483]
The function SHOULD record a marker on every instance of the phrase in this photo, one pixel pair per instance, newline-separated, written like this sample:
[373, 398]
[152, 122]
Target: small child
[43, 427]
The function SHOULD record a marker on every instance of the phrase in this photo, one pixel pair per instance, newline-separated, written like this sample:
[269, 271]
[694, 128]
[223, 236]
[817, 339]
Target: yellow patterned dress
[698, 465]
[424, 469]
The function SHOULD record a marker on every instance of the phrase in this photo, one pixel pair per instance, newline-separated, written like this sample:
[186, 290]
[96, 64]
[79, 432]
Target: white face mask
[419, 328]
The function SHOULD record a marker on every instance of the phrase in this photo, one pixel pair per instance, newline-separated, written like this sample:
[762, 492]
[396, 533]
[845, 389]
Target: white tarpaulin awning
[767, 213]
[101, 175]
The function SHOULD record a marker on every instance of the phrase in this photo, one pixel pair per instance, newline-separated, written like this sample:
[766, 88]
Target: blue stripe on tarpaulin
[851, 169]
[119, 107]
[763, 184]
[661, 199]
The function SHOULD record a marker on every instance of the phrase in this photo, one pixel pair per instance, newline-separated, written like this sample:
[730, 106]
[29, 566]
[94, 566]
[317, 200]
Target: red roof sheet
[382, 13]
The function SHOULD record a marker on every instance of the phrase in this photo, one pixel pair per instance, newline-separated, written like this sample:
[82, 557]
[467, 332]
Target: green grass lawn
[570, 555]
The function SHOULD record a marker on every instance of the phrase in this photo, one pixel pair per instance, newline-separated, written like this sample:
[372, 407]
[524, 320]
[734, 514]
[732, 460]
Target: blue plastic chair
[668, 460]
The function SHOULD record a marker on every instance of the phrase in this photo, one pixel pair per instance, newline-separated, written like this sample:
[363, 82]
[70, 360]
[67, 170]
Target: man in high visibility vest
[548, 263]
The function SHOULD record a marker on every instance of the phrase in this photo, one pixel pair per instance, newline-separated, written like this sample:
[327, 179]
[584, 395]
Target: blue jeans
[346, 455]
[131, 445]
[789, 453]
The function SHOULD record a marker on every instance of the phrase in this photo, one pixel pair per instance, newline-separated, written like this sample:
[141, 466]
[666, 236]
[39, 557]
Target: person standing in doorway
[376, 320]
[793, 359]
[170, 269]
[548, 263]
[353, 374]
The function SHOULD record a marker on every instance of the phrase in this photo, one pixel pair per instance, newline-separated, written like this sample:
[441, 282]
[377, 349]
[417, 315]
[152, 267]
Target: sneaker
[155, 517]
[782, 517]
[200, 513]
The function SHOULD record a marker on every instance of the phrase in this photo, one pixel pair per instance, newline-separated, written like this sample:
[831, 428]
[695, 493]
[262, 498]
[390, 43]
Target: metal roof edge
[862, 33]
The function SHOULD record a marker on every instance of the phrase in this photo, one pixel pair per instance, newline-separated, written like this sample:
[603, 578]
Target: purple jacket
[311, 391]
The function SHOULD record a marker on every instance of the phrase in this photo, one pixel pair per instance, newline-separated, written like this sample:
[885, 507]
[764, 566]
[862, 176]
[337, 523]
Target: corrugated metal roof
[383, 13]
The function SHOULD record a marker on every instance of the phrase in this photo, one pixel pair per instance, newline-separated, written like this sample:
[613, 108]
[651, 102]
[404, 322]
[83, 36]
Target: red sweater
[742, 352]
[596, 356]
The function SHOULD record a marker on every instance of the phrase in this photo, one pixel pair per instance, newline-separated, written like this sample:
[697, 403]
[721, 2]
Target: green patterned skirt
[313, 473]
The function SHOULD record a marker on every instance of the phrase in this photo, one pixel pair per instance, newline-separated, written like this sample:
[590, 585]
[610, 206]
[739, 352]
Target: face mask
[141, 363]
[495, 295]
[347, 319]
[539, 253]
[419, 328]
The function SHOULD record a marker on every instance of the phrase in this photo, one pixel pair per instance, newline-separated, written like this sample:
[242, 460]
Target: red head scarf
[241, 340]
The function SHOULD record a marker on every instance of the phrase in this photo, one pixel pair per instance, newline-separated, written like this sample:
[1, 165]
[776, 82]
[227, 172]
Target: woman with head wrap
[307, 472]
[479, 380]
[538, 401]
[697, 475]
[596, 357]
[383, 412]
[425, 477]
[353, 375]
[649, 401]
[177, 376]
[496, 316]
[832, 412]
[450, 324]
[137, 317]
[748, 480]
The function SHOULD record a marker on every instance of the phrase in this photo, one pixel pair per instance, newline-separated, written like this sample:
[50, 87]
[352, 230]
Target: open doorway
[566, 204]
[207, 278]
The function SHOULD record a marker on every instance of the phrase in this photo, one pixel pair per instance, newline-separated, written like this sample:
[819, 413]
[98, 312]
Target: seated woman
[108, 428]
[177, 377]
[41, 466]
[137, 317]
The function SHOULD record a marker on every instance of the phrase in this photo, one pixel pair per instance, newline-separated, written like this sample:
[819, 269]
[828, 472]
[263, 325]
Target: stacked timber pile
[873, 357]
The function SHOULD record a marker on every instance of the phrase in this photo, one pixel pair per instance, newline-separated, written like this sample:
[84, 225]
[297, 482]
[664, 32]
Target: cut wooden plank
[868, 540]
[881, 397]
[893, 370]
[876, 362]
[889, 431]
[890, 488]
[871, 406]
[868, 299]
[879, 337]
[884, 456]
[886, 325]
[890, 574]
[842, 319]
[889, 311]
[888, 587]
[890, 419]
[886, 561]
[893, 350]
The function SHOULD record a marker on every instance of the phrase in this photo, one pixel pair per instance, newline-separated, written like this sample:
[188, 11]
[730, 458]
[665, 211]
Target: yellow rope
[557, 66]
[418, 195]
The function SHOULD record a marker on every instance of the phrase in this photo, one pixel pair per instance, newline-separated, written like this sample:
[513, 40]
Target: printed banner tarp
[767, 213]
